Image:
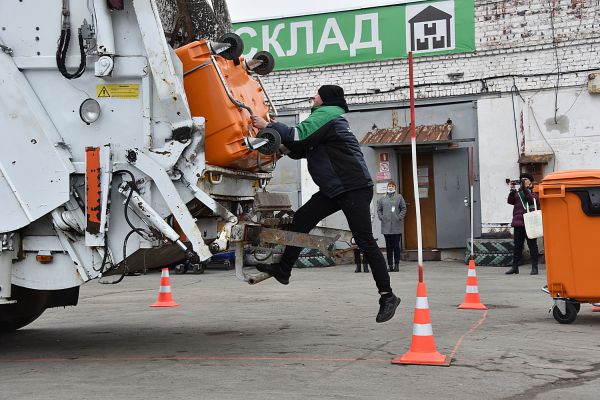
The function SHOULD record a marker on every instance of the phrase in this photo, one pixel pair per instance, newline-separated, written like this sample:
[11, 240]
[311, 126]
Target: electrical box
[594, 82]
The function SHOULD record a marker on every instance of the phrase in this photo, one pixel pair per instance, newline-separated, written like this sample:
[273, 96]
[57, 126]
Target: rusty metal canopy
[425, 134]
[535, 158]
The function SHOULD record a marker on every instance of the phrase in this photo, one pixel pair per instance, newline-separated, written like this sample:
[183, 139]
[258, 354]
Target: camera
[513, 181]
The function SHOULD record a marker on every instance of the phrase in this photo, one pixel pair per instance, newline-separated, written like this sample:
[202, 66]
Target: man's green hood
[319, 117]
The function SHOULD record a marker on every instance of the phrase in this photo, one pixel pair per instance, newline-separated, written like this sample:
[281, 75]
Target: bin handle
[544, 195]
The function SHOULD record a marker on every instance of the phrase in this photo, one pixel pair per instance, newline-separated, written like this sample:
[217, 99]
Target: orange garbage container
[227, 125]
[570, 203]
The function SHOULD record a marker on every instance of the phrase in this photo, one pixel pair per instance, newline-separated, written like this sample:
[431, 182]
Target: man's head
[331, 95]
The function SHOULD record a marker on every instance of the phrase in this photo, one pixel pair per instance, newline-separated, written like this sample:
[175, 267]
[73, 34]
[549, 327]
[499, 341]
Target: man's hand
[259, 122]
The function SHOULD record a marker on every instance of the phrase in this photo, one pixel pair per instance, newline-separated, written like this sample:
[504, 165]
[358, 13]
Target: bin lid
[576, 177]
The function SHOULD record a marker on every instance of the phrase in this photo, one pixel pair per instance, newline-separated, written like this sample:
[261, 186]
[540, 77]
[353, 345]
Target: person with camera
[522, 201]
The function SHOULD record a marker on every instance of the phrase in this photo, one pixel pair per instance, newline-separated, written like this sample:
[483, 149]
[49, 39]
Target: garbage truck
[119, 153]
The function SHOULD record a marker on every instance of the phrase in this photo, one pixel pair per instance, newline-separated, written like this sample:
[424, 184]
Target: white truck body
[144, 127]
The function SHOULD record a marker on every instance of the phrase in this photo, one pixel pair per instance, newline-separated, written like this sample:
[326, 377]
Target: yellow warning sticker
[119, 91]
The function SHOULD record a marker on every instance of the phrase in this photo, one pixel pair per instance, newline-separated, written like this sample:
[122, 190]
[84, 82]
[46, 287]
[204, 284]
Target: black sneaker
[387, 307]
[276, 272]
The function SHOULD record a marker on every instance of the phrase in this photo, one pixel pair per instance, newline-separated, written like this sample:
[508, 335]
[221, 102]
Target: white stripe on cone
[472, 289]
[422, 330]
[165, 289]
[472, 272]
[422, 303]
[165, 273]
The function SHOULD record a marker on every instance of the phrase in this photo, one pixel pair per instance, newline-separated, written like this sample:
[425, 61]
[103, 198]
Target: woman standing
[391, 210]
[520, 200]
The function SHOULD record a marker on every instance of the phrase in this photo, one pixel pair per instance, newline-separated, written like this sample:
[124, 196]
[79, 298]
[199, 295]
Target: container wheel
[268, 63]
[274, 141]
[236, 48]
[569, 317]
[577, 306]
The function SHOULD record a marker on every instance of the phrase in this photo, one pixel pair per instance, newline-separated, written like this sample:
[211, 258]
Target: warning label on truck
[119, 91]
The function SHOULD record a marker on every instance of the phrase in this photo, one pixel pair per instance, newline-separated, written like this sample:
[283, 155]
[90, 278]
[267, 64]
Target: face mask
[391, 190]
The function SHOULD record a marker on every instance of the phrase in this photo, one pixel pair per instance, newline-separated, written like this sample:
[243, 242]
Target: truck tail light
[44, 257]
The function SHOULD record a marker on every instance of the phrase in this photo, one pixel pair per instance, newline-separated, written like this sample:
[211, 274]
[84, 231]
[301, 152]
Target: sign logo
[431, 27]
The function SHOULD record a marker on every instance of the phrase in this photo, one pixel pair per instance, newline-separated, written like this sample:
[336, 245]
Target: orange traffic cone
[165, 298]
[472, 300]
[595, 307]
[422, 349]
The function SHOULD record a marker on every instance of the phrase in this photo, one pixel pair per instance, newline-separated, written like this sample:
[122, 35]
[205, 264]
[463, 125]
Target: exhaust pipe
[256, 278]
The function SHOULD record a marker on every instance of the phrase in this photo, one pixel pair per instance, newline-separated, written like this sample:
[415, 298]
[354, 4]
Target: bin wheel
[237, 46]
[274, 141]
[567, 318]
[268, 63]
[577, 306]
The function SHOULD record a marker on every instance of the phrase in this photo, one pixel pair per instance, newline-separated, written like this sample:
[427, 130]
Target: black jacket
[335, 160]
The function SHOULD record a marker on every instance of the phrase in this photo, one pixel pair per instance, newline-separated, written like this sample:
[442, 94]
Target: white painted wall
[575, 140]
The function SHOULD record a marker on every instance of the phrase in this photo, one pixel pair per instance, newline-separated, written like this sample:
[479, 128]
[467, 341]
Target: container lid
[576, 177]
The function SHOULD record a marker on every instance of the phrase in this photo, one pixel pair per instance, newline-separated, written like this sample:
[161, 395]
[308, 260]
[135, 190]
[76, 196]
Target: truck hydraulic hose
[63, 45]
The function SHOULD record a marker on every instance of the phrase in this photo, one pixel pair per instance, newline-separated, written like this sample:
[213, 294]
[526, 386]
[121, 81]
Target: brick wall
[518, 43]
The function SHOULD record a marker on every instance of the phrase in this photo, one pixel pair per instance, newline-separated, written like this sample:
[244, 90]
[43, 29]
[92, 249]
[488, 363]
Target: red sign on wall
[384, 156]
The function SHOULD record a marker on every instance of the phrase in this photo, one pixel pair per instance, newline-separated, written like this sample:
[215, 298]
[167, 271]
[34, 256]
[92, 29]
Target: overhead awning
[425, 135]
[535, 158]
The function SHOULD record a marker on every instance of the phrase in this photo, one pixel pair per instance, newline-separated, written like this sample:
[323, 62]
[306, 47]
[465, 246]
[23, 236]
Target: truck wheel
[12, 322]
[313, 262]
[495, 260]
[29, 306]
[492, 246]
[569, 317]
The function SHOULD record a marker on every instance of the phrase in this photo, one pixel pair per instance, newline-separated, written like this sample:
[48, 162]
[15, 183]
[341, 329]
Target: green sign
[379, 33]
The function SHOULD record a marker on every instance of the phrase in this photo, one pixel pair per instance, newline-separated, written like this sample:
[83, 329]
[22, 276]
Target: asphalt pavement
[314, 339]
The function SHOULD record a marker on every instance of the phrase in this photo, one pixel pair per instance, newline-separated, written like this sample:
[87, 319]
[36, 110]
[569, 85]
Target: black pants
[357, 259]
[356, 207]
[392, 248]
[520, 237]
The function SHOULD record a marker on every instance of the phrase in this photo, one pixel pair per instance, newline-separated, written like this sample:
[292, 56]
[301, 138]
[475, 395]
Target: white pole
[413, 145]
[413, 148]
[472, 180]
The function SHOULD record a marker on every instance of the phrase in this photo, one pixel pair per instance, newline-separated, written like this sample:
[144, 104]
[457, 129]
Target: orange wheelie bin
[221, 90]
[570, 203]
